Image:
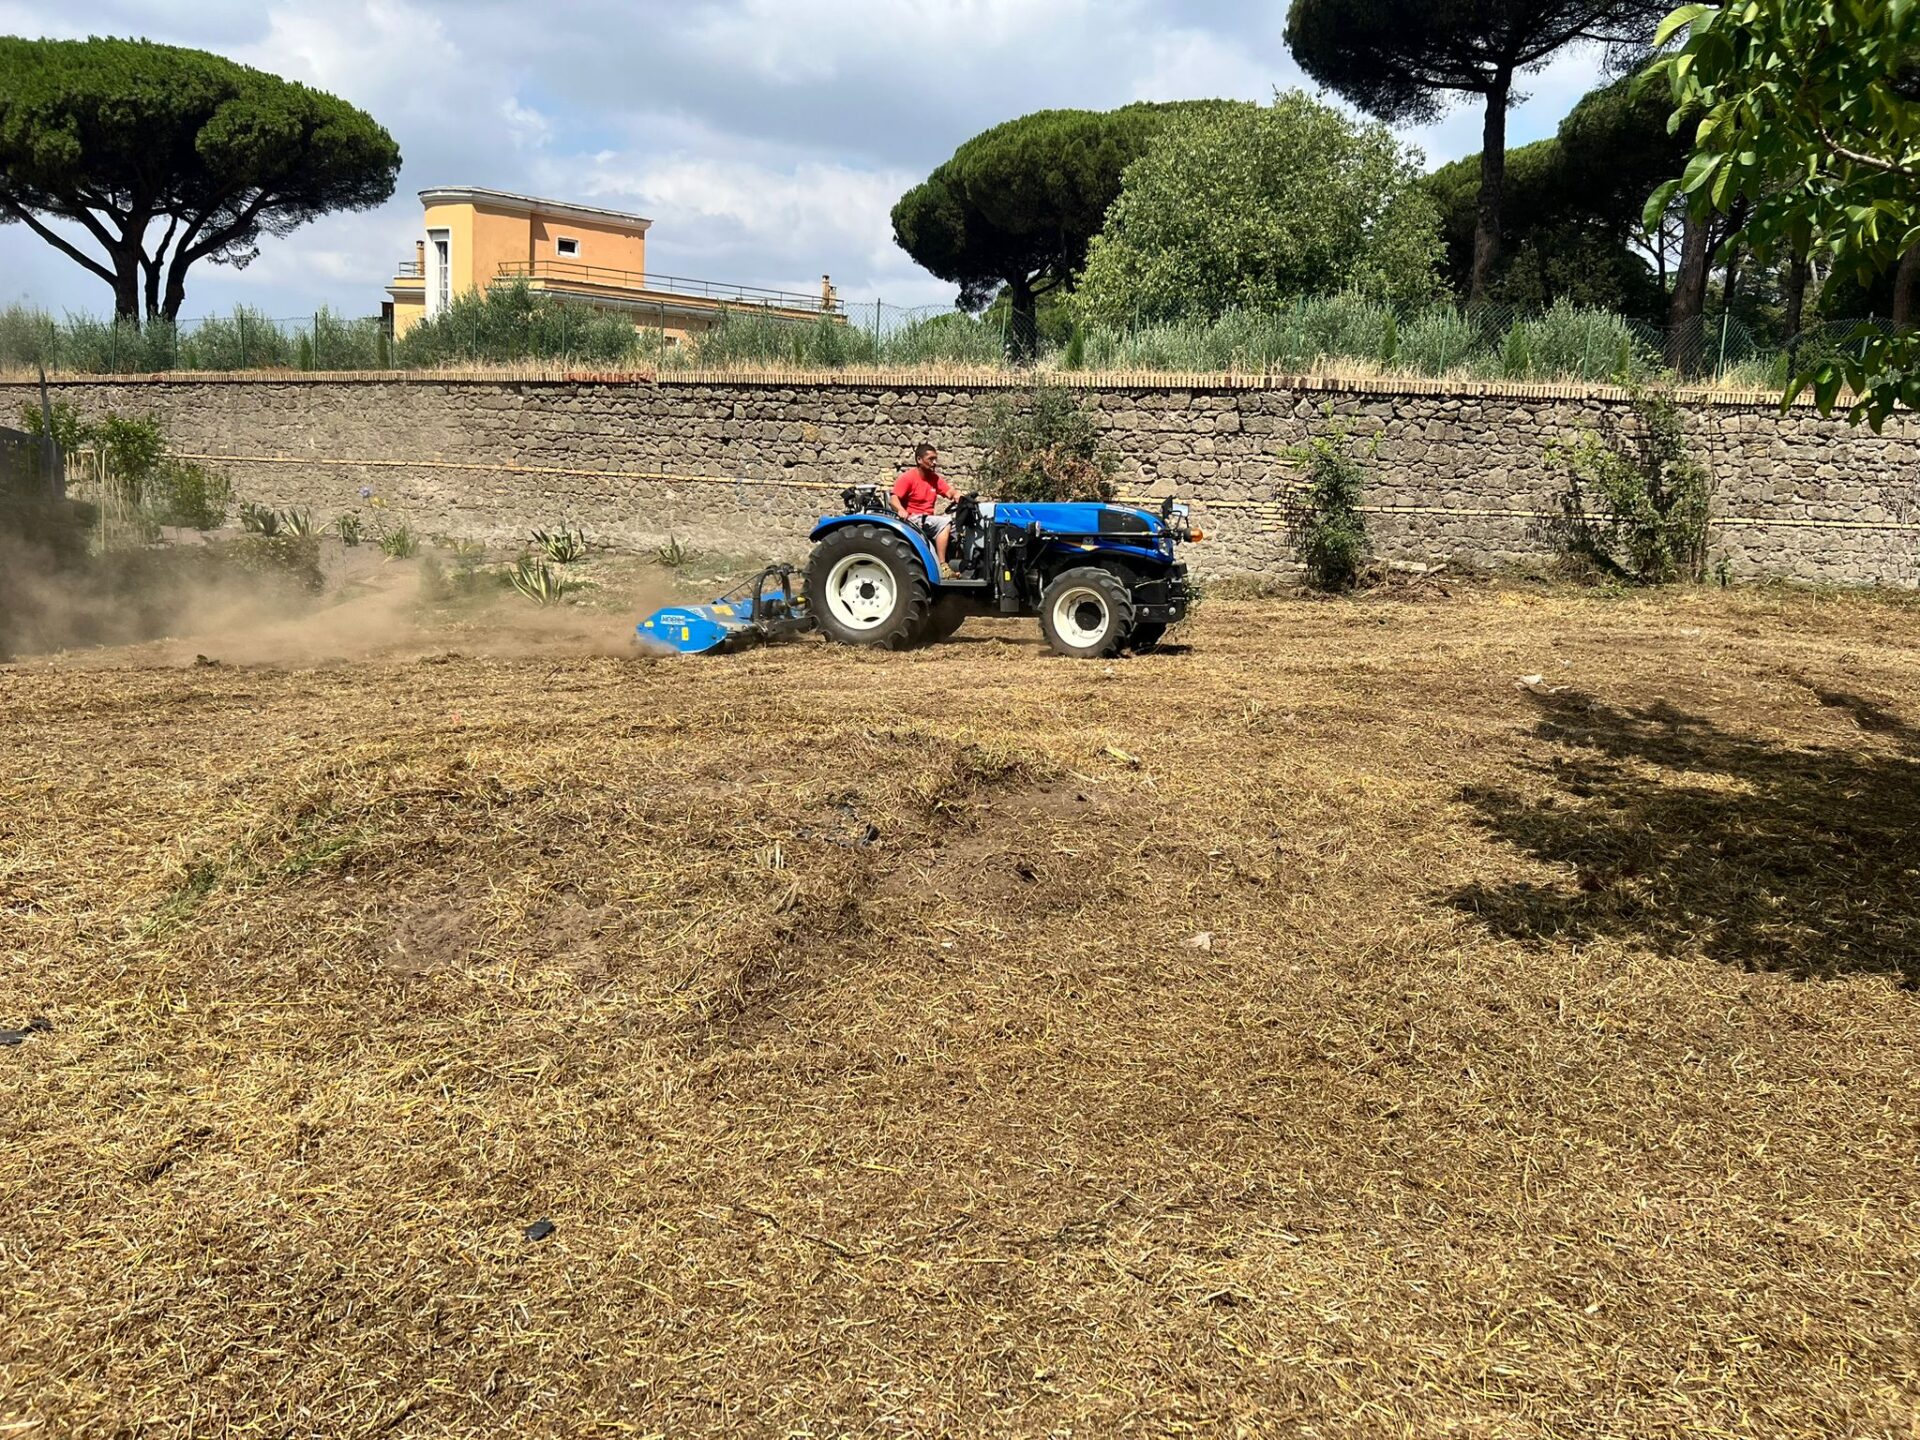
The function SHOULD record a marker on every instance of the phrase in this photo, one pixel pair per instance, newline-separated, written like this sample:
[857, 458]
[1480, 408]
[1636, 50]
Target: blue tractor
[1102, 578]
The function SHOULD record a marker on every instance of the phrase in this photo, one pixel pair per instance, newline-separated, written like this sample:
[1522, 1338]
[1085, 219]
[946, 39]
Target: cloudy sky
[767, 139]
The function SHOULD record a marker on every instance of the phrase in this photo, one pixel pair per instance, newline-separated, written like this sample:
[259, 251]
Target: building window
[440, 262]
[568, 248]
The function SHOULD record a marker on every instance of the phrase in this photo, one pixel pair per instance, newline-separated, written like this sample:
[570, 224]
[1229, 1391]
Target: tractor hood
[1075, 518]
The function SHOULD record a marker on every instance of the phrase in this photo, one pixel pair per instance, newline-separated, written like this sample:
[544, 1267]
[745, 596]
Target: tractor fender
[891, 522]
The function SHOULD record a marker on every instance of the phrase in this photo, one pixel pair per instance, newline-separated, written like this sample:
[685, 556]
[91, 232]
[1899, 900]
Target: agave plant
[538, 581]
[259, 519]
[297, 522]
[563, 547]
[673, 554]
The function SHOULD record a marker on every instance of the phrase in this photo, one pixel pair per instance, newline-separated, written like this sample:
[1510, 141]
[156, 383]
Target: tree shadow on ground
[1695, 840]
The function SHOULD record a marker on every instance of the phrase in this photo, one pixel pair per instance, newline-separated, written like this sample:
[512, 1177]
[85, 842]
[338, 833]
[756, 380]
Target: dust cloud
[160, 615]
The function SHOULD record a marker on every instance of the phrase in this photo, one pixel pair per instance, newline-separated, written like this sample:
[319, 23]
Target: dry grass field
[1475, 1014]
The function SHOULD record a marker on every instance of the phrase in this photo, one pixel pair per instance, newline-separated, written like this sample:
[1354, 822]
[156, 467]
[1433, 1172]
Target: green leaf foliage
[1246, 207]
[1810, 137]
[1042, 445]
[165, 157]
[1328, 527]
[1638, 503]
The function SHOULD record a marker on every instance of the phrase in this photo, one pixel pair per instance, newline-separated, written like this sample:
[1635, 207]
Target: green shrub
[1437, 340]
[1074, 357]
[244, 340]
[751, 337]
[28, 337]
[1638, 503]
[1345, 326]
[1043, 445]
[131, 450]
[398, 541]
[950, 339]
[1516, 353]
[673, 554]
[349, 528]
[1326, 522]
[514, 322]
[187, 494]
[1569, 343]
[70, 432]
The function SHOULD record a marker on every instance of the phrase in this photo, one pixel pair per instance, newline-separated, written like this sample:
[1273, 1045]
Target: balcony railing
[572, 272]
[410, 270]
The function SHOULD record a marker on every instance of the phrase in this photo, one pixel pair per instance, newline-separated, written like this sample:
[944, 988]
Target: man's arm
[897, 497]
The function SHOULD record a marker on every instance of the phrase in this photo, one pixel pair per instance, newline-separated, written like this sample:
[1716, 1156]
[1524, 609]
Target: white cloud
[1190, 64]
[749, 223]
[528, 127]
[916, 41]
[1549, 94]
[375, 53]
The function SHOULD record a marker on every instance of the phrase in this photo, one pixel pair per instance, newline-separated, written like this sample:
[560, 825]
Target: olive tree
[1250, 206]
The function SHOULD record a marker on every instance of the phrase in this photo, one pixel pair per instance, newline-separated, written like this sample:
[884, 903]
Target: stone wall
[741, 466]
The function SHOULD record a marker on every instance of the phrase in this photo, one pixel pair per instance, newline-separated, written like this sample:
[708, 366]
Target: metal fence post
[1726, 318]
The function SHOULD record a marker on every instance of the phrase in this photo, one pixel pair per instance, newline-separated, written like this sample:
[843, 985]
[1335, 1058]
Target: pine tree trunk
[1904, 280]
[1493, 185]
[1684, 342]
[1023, 322]
[1799, 273]
[126, 288]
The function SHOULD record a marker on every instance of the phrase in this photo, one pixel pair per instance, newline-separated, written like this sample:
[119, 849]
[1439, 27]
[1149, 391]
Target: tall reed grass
[513, 324]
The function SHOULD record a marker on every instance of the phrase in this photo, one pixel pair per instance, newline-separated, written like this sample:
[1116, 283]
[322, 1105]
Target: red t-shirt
[918, 493]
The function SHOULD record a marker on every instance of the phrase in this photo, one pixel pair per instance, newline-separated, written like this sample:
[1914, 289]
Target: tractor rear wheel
[1087, 613]
[866, 586]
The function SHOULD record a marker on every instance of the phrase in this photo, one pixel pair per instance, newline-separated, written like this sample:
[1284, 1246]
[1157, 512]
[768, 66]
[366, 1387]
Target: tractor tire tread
[909, 621]
[1118, 594]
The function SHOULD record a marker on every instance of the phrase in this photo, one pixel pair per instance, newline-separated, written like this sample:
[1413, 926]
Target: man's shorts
[930, 525]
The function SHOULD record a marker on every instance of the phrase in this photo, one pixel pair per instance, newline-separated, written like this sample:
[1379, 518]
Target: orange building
[475, 237]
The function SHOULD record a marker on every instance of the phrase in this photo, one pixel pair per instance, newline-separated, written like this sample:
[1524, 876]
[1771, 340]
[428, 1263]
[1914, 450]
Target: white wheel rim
[1081, 616]
[861, 593]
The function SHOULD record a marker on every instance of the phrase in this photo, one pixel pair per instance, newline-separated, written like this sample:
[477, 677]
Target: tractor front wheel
[1087, 613]
[866, 586]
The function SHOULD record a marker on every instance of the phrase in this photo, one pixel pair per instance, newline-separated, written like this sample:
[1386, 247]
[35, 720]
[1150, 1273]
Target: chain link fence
[1330, 334]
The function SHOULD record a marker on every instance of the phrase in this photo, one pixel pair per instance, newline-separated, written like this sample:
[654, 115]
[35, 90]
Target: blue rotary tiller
[765, 608]
[1102, 578]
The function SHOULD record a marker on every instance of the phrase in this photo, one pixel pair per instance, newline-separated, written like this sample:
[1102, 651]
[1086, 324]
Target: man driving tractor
[916, 492]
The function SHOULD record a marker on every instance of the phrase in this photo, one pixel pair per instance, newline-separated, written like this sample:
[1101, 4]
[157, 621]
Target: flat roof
[527, 204]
